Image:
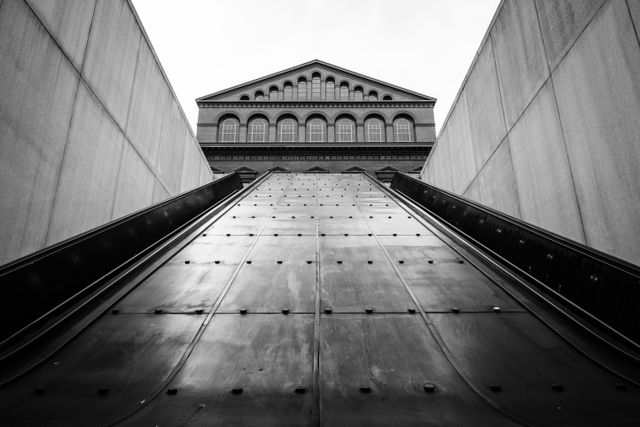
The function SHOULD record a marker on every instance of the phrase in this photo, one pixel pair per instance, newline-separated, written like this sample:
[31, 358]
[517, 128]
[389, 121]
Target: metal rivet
[299, 234]
[346, 234]
[115, 311]
[285, 311]
[328, 310]
[495, 387]
[243, 310]
[496, 309]
[228, 234]
[275, 234]
[394, 234]
[323, 234]
[103, 391]
[157, 311]
[300, 390]
[370, 234]
[429, 388]
[365, 389]
[171, 391]
[350, 217]
[186, 261]
[250, 234]
[417, 234]
[236, 390]
[411, 310]
[557, 387]
[330, 217]
[40, 390]
[368, 310]
[199, 311]
[455, 309]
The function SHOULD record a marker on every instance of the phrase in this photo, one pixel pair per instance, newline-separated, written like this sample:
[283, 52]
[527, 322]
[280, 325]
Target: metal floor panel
[330, 306]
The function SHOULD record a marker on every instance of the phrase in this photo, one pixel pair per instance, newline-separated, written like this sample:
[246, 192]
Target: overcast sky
[422, 45]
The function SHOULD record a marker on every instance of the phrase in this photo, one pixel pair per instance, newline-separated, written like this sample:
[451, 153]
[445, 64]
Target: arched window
[373, 95]
[288, 91]
[358, 93]
[403, 129]
[287, 130]
[345, 130]
[387, 98]
[244, 98]
[302, 88]
[258, 130]
[259, 96]
[330, 88]
[316, 130]
[374, 130]
[344, 91]
[273, 93]
[228, 130]
[315, 86]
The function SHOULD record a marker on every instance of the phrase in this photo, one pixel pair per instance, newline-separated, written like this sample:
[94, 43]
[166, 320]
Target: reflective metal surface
[334, 305]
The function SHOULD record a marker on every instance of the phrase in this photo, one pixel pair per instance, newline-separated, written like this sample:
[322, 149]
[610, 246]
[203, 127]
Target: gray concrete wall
[546, 126]
[90, 128]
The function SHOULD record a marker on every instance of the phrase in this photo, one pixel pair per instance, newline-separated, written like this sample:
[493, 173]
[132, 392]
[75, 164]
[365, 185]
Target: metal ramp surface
[320, 299]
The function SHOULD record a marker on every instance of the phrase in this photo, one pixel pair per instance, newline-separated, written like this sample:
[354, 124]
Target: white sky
[422, 45]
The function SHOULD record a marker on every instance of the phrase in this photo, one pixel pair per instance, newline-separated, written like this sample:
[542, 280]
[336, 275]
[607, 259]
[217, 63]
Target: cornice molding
[316, 104]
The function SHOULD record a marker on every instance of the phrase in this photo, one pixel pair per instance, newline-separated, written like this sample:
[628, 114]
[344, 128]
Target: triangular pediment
[244, 168]
[354, 169]
[275, 87]
[315, 169]
[388, 168]
[279, 169]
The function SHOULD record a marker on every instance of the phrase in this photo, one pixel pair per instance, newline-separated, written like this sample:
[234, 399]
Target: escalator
[316, 299]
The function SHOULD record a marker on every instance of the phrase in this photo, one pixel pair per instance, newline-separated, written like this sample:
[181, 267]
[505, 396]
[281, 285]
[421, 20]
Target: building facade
[316, 117]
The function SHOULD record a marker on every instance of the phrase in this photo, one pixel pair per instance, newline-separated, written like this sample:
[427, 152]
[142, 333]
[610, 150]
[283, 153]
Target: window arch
[244, 98]
[344, 91]
[330, 88]
[258, 130]
[358, 93]
[315, 86]
[259, 96]
[403, 129]
[387, 98]
[316, 129]
[288, 91]
[228, 130]
[373, 95]
[374, 129]
[302, 88]
[345, 130]
[273, 93]
[287, 129]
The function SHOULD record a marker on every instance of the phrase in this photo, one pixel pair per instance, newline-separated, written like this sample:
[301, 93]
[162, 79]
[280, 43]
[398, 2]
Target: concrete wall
[546, 126]
[90, 129]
